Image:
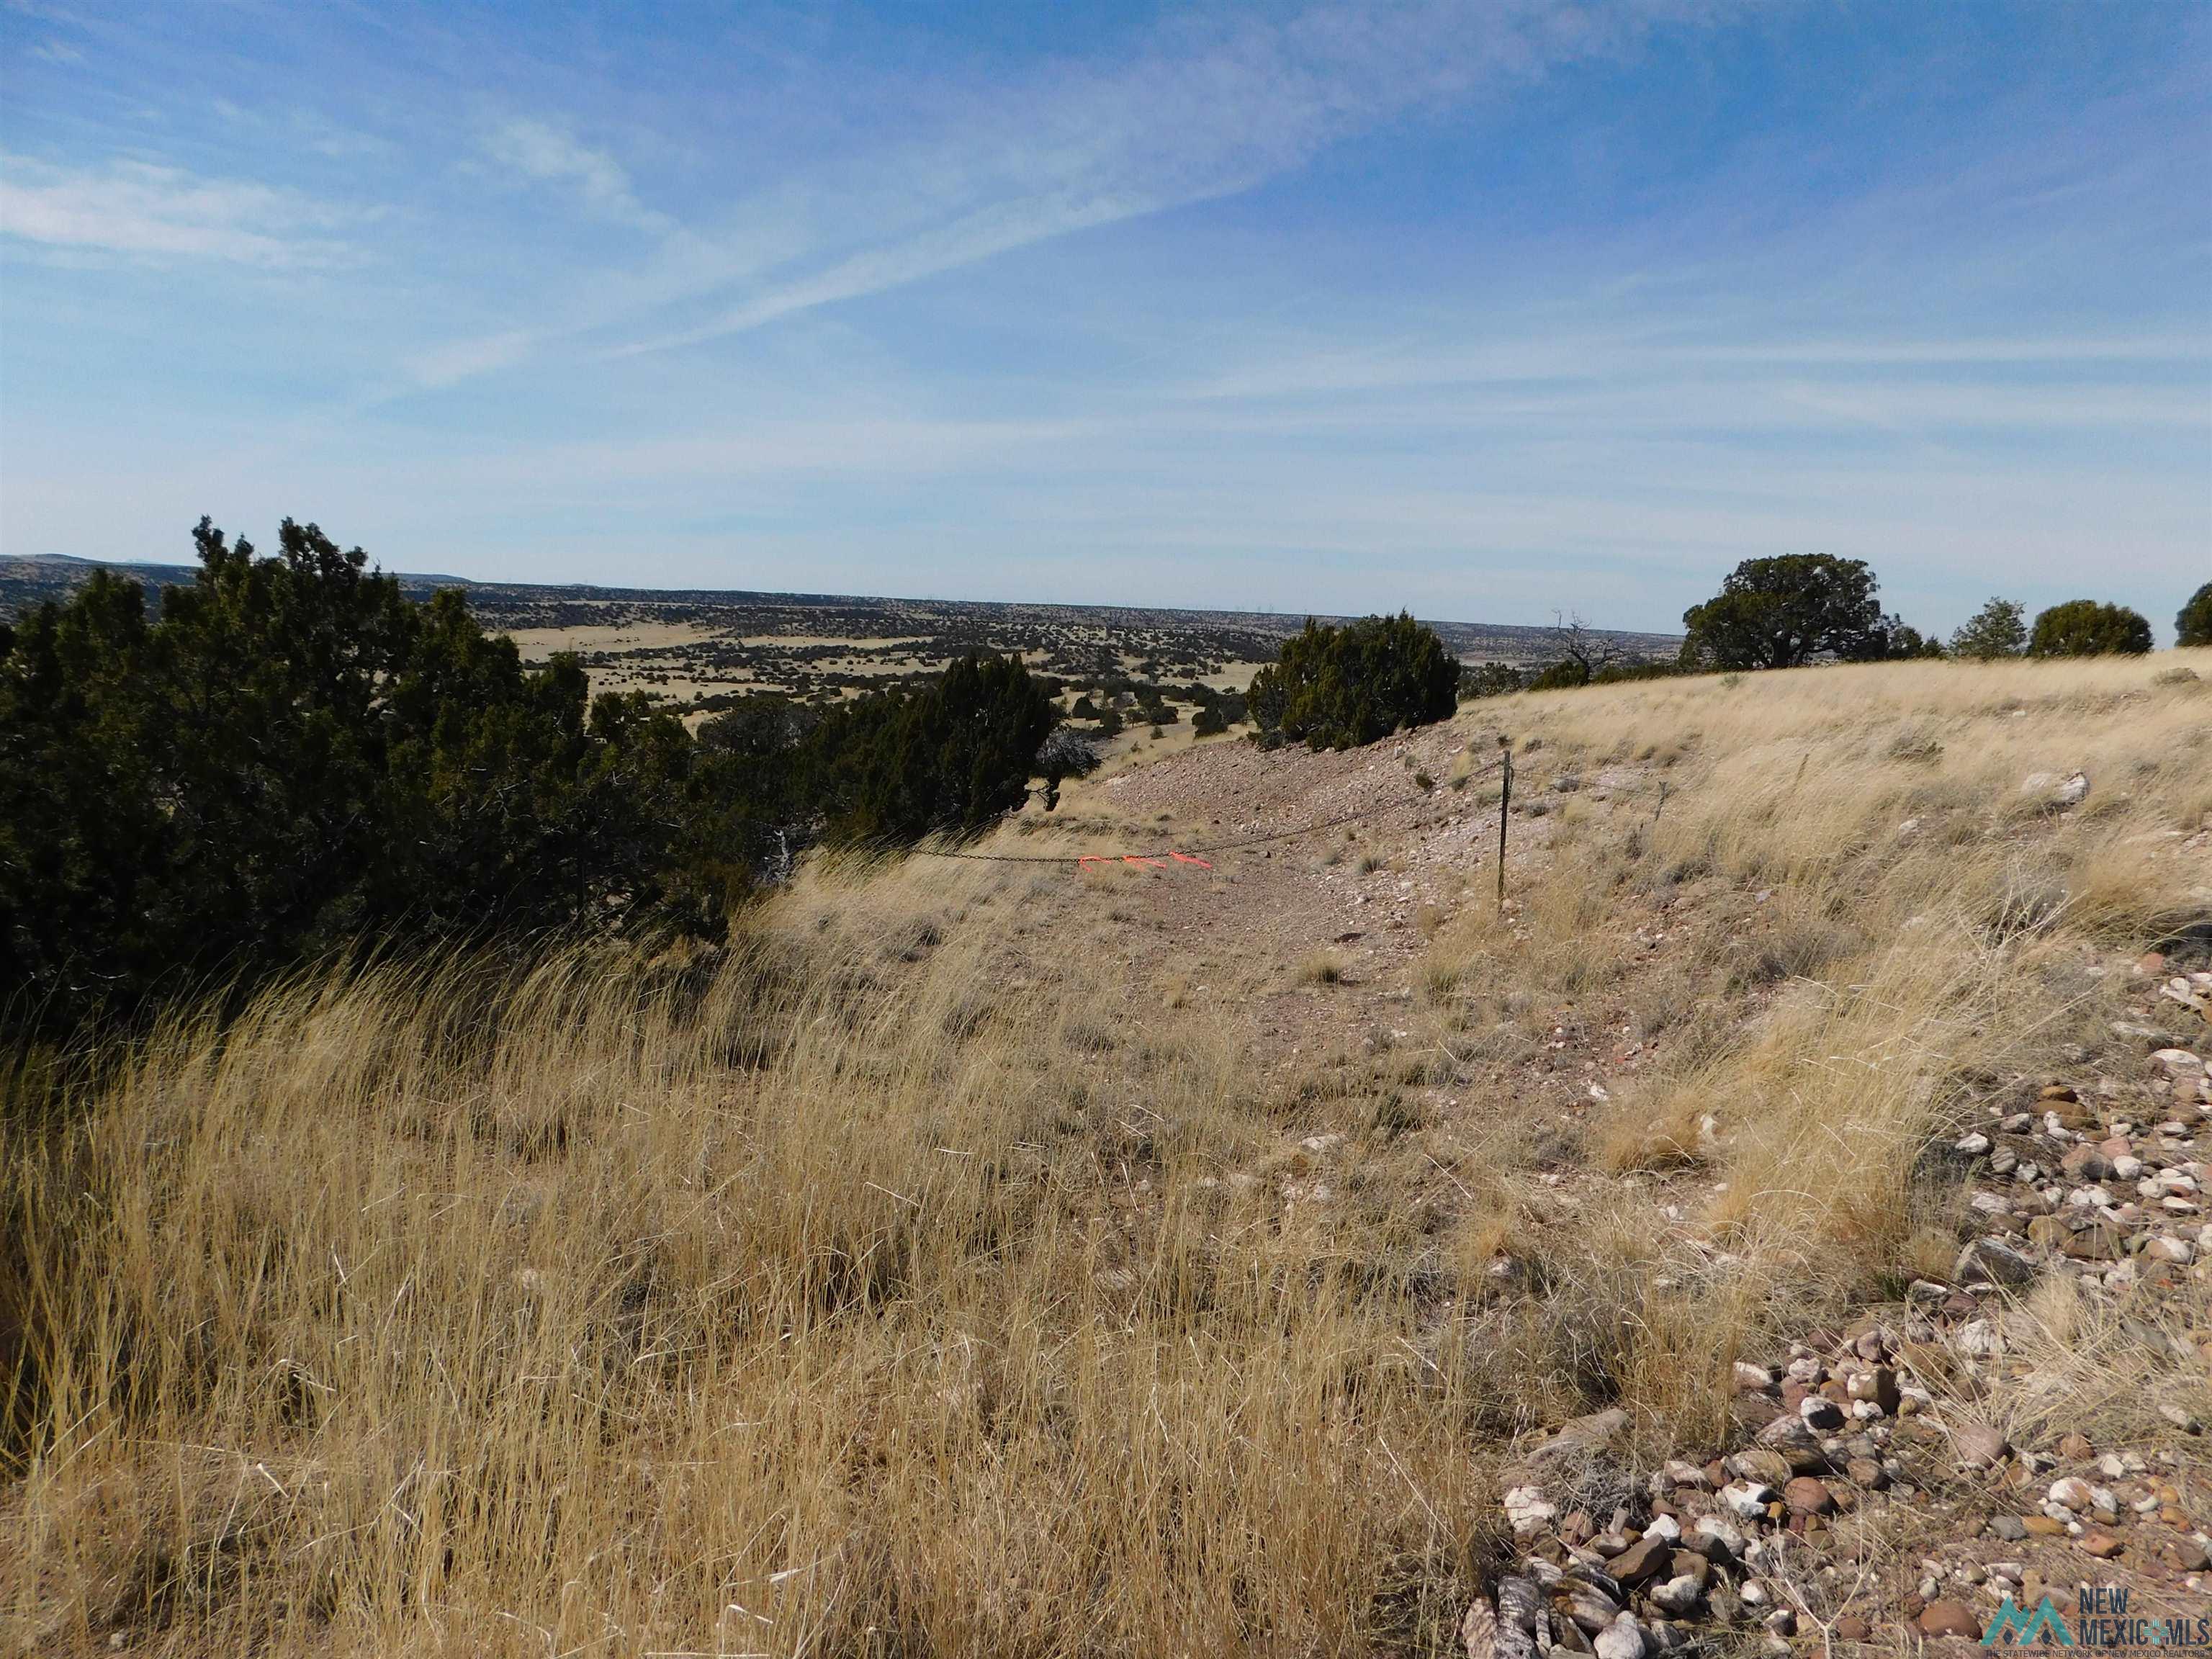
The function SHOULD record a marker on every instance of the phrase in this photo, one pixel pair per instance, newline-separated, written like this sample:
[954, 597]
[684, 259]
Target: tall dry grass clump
[844, 1296]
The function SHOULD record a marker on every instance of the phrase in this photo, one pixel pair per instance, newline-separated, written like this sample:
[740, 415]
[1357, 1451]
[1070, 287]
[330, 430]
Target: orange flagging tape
[1087, 859]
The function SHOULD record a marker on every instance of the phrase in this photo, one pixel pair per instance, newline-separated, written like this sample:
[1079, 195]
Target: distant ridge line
[22, 571]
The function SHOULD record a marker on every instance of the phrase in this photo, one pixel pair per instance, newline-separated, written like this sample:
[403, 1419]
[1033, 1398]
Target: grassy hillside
[993, 1258]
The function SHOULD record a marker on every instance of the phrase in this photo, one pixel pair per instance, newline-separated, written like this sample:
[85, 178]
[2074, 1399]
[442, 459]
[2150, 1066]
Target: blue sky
[1487, 310]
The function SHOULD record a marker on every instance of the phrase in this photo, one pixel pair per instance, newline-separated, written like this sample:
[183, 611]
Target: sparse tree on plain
[1780, 612]
[1583, 654]
[1998, 629]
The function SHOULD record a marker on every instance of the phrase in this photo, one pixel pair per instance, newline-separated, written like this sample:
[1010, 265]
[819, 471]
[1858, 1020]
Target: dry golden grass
[1886, 933]
[884, 1285]
[845, 1296]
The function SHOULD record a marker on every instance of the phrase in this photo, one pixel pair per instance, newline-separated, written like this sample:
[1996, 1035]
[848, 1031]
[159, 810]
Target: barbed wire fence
[1195, 853]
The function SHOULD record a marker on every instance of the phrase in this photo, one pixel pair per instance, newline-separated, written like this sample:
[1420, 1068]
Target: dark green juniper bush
[2084, 627]
[2192, 624]
[1337, 687]
[291, 758]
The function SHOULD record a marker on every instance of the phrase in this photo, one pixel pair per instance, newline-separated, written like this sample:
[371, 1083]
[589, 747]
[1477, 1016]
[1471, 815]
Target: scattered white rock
[1748, 1498]
[1679, 1595]
[1621, 1639]
[1527, 1511]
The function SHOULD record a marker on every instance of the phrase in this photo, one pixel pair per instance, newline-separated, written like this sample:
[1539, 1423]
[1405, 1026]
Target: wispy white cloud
[542, 152]
[1291, 372]
[1200, 115]
[448, 365]
[1193, 120]
[147, 211]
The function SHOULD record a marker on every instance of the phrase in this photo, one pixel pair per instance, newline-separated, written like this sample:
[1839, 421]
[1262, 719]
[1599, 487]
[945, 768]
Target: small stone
[1852, 1628]
[2049, 1232]
[1527, 1511]
[1642, 1560]
[1587, 1606]
[1748, 1498]
[1977, 1445]
[2086, 1162]
[1946, 1617]
[1808, 1495]
[1679, 1596]
[1820, 1413]
[1716, 1539]
[2180, 1419]
[1580, 1572]
[1621, 1639]
[1770, 1468]
[1791, 1438]
[2008, 1528]
[1477, 1632]
[2102, 1545]
[1681, 1474]
[1993, 1262]
[1978, 1337]
[2100, 1243]
[2186, 1555]
[2072, 1493]
[1879, 1385]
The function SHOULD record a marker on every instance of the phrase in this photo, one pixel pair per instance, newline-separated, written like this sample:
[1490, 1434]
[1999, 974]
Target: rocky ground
[1855, 1443]
[1870, 1490]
